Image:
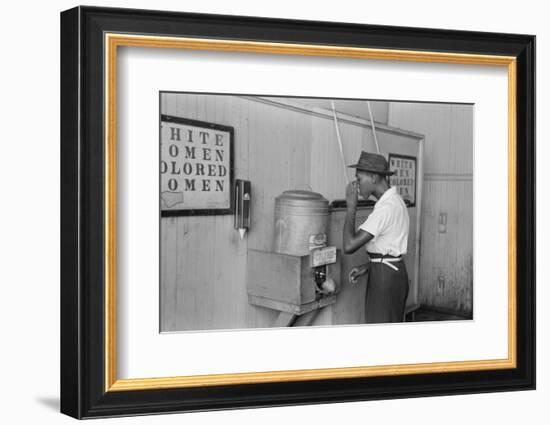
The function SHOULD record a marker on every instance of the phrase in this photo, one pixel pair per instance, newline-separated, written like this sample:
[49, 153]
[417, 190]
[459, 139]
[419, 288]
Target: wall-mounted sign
[404, 178]
[196, 167]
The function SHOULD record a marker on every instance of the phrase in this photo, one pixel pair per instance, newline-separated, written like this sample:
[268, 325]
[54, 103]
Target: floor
[427, 315]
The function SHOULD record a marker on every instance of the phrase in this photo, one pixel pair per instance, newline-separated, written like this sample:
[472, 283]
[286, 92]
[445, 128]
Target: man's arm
[353, 240]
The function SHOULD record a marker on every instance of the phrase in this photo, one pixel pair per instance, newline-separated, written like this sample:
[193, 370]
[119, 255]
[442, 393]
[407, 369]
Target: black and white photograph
[306, 211]
[270, 213]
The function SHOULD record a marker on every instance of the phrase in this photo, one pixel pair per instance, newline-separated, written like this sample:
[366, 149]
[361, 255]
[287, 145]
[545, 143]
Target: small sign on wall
[196, 167]
[404, 178]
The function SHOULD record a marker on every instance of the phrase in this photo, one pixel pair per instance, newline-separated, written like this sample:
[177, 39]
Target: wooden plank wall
[199, 280]
[203, 260]
[446, 262]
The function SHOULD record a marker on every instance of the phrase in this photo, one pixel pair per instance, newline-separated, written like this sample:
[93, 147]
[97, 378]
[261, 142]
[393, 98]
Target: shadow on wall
[49, 402]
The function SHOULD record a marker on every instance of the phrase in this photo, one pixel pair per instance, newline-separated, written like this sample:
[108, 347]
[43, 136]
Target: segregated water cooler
[302, 273]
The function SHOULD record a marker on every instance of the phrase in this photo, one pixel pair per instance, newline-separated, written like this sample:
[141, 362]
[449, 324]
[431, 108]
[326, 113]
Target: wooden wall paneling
[431, 246]
[469, 241]
[219, 288]
[162, 103]
[233, 111]
[461, 138]
[432, 120]
[194, 274]
[182, 106]
[446, 258]
[436, 253]
[427, 241]
[183, 296]
[210, 268]
[190, 269]
[437, 119]
[269, 177]
[268, 170]
[323, 148]
[459, 279]
[467, 233]
[170, 103]
[299, 150]
[255, 316]
[449, 197]
[168, 230]
[463, 263]
[244, 120]
[168, 288]
[224, 253]
[460, 301]
[230, 250]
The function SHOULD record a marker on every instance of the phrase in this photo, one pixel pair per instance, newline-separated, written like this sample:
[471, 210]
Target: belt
[387, 261]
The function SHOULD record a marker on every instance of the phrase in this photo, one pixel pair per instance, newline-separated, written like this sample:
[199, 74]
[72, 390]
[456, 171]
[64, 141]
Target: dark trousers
[387, 291]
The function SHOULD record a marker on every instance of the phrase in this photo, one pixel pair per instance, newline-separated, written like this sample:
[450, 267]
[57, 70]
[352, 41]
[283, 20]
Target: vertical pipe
[346, 178]
[419, 183]
[373, 129]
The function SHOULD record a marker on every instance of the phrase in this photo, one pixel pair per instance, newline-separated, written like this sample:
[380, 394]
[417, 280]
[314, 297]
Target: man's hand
[357, 272]
[352, 194]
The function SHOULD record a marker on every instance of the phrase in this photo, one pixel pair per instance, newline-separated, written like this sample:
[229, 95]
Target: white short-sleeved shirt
[389, 224]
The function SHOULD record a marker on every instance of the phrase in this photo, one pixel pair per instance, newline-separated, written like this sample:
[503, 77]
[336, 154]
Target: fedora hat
[373, 163]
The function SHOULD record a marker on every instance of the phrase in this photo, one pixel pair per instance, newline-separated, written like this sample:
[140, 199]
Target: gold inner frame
[113, 41]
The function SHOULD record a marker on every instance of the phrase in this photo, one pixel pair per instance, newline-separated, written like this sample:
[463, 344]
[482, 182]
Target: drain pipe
[373, 129]
[339, 142]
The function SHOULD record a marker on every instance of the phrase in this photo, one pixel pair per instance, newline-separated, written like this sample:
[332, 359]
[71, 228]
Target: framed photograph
[262, 212]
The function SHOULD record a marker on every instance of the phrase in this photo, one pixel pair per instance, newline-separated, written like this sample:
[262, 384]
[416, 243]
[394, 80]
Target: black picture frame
[83, 393]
